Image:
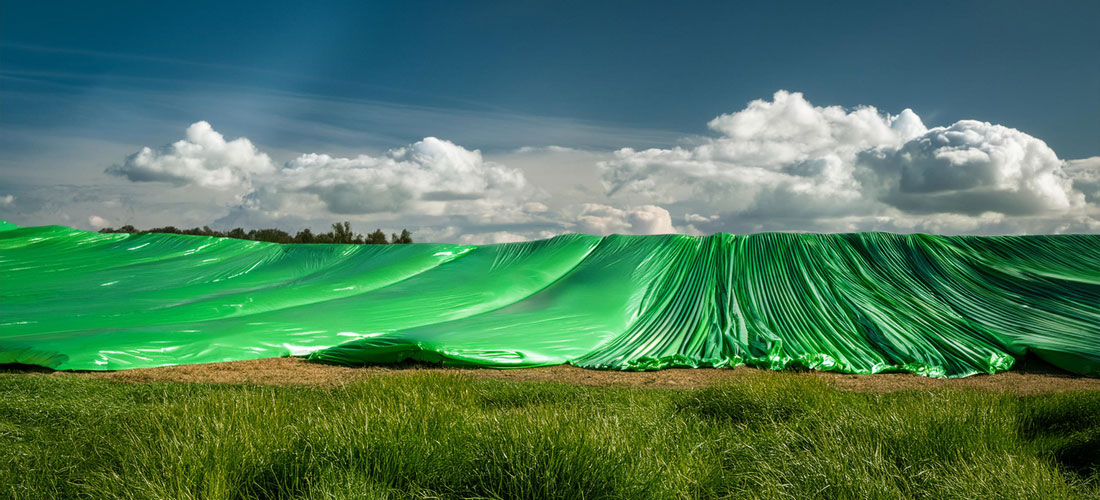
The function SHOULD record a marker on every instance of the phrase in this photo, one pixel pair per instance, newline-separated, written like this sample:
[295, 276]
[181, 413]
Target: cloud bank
[431, 176]
[826, 168]
[776, 165]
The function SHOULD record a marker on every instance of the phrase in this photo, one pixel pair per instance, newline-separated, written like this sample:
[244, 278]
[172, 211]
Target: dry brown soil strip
[1029, 378]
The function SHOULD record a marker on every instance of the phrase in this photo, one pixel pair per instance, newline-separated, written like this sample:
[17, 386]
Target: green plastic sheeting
[856, 303]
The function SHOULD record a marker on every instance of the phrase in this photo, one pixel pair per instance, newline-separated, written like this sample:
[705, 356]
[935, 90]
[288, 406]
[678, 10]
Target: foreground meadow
[443, 435]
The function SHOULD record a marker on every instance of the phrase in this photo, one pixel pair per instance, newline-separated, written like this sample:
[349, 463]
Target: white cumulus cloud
[98, 222]
[605, 219]
[204, 158]
[786, 164]
[431, 176]
[784, 155]
[421, 177]
[1085, 174]
[972, 167]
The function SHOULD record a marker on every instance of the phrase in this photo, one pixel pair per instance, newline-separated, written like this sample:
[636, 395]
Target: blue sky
[84, 87]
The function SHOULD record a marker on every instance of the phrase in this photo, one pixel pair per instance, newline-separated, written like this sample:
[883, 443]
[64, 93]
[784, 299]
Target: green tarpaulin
[856, 303]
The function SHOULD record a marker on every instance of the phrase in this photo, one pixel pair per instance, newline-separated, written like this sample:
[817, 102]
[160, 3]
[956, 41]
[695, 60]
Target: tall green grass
[443, 436]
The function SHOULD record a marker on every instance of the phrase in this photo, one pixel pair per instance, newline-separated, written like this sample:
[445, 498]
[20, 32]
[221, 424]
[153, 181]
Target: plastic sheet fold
[856, 303]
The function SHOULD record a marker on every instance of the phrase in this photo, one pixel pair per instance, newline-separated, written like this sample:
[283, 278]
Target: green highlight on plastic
[856, 303]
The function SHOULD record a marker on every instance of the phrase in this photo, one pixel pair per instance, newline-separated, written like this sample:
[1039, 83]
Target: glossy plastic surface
[857, 303]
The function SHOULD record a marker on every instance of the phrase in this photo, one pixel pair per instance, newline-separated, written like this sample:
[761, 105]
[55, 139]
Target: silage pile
[856, 303]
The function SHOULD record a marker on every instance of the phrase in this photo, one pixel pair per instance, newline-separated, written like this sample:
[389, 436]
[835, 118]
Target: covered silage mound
[856, 303]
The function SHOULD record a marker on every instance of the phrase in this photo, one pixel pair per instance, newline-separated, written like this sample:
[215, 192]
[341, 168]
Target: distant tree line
[341, 233]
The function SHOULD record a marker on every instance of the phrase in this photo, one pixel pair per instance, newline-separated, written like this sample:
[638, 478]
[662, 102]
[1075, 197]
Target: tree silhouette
[377, 238]
[341, 233]
[304, 236]
[405, 238]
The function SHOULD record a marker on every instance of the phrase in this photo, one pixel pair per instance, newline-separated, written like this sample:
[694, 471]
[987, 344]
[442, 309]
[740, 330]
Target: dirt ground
[1027, 378]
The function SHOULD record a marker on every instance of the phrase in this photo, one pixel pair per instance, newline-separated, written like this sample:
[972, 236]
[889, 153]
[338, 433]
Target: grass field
[432, 435]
